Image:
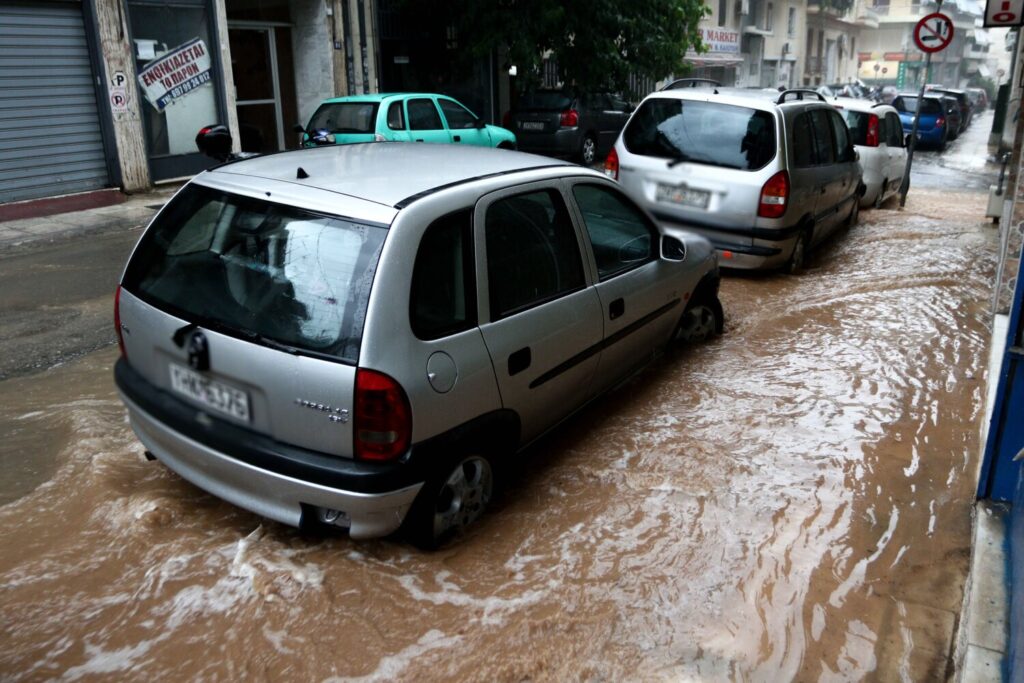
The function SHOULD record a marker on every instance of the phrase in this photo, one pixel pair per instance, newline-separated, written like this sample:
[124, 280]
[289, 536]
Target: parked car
[764, 175]
[564, 125]
[963, 101]
[979, 99]
[877, 134]
[932, 128]
[404, 117]
[356, 335]
[954, 119]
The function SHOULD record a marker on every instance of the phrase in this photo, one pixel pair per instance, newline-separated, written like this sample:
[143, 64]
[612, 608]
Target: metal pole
[905, 185]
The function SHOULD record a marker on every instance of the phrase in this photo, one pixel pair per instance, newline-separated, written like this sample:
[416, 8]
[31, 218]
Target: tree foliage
[597, 43]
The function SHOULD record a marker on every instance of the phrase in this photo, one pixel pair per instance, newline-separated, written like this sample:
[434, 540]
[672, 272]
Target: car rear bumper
[277, 495]
[564, 142]
[742, 248]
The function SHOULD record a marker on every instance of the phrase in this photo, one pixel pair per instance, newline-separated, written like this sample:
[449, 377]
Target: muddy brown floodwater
[791, 501]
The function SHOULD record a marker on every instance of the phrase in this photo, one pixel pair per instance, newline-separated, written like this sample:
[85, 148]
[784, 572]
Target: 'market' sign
[175, 74]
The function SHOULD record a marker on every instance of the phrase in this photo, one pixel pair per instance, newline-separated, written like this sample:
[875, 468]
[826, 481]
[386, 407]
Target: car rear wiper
[268, 342]
[678, 159]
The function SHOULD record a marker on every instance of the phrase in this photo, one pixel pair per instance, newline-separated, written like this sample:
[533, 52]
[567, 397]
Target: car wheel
[588, 150]
[944, 142]
[798, 257]
[702, 320]
[451, 500]
[880, 197]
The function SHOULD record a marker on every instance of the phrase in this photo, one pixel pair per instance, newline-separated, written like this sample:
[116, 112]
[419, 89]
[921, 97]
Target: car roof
[927, 93]
[854, 104]
[385, 173]
[755, 98]
[380, 97]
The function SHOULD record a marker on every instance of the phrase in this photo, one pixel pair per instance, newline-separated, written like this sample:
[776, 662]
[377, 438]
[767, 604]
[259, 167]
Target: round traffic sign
[934, 32]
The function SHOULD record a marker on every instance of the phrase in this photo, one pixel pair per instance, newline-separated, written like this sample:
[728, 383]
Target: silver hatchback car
[764, 175]
[355, 335]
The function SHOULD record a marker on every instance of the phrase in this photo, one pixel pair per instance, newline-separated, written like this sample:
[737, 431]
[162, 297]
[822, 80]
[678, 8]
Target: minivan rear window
[345, 117]
[857, 121]
[545, 101]
[275, 274]
[702, 132]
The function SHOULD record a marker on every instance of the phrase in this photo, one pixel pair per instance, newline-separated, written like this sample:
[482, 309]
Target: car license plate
[532, 125]
[210, 393]
[682, 195]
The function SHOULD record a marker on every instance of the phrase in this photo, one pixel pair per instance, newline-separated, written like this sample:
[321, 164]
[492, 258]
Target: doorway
[261, 63]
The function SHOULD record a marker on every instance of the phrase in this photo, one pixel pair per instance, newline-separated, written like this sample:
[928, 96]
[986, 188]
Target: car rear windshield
[545, 101]
[345, 117]
[263, 271]
[702, 132]
[857, 122]
[909, 104]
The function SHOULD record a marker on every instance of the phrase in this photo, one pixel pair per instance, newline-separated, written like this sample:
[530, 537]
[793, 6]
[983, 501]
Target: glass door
[257, 87]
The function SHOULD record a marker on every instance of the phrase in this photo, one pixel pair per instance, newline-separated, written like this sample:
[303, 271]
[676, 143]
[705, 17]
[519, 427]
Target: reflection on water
[791, 501]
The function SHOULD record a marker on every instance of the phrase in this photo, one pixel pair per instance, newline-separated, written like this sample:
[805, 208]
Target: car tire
[588, 150]
[703, 319]
[450, 500]
[880, 197]
[798, 257]
[944, 142]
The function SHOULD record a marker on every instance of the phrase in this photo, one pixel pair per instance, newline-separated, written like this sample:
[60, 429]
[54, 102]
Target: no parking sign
[934, 32]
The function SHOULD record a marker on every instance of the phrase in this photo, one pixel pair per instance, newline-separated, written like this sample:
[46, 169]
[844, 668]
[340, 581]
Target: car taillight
[383, 418]
[774, 194]
[871, 140]
[940, 122]
[506, 120]
[569, 118]
[611, 165]
[117, 320]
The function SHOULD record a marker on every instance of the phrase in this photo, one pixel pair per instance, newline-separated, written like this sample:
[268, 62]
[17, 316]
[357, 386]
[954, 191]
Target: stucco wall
[313, 51]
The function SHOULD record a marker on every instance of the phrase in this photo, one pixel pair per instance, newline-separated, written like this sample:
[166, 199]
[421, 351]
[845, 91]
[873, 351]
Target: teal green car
[400, 117]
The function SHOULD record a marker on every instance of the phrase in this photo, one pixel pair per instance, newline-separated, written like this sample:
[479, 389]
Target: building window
[769, 16]
[791, 27]
[723, 6]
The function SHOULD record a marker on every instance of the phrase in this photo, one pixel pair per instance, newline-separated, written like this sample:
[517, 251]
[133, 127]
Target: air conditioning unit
[787, 48]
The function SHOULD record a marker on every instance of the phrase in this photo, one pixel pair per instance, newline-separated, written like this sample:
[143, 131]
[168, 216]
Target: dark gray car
[558, 124]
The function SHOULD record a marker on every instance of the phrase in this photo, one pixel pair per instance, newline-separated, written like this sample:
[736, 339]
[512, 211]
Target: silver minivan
[356, 335]
[764, 175]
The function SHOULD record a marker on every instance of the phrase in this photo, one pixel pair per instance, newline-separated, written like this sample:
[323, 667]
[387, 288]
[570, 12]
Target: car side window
[423, 115]
[803, 141]
[895, 130]
[533, 255]
[620, 235]
[396, 119]
[823, 145]
[458, 117]
[443, 297]
[841, 135]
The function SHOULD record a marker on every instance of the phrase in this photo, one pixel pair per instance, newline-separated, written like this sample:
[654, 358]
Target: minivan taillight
[117, 320]
[569, 118]
[774, 195]
[940, 122]
[871, 139]
[611, 165]
[383, 418]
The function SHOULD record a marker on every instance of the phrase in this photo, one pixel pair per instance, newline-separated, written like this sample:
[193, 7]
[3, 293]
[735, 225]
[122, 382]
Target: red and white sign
[934, 32]
[177, 73]
[1004, 13]
[719, 40]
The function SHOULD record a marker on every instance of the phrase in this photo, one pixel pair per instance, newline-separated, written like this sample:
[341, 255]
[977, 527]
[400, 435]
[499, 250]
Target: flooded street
[791, 501]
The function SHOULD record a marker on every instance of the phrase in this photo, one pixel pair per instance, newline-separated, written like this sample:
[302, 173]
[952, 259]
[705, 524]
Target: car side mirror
[214, 141]
[906, 141]
[672, 248]
[479, 124]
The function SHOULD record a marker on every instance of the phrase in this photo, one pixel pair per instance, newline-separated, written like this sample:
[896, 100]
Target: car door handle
[616, 309]
[457, 138]
[419, 139]
[518, 361]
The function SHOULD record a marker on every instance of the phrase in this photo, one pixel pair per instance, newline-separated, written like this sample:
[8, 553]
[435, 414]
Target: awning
[984, 71]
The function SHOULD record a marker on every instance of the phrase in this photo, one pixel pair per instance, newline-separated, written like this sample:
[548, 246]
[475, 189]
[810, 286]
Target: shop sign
[718, 40]
[176, 73]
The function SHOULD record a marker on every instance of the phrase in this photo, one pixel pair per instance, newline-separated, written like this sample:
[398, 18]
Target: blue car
[932, 129]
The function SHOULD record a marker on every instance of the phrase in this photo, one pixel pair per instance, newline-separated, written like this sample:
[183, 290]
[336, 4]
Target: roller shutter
[50, 140]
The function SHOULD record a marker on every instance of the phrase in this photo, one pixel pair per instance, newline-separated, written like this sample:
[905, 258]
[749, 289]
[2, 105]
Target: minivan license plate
[532, 125]
[210, 393]
[680, 194]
